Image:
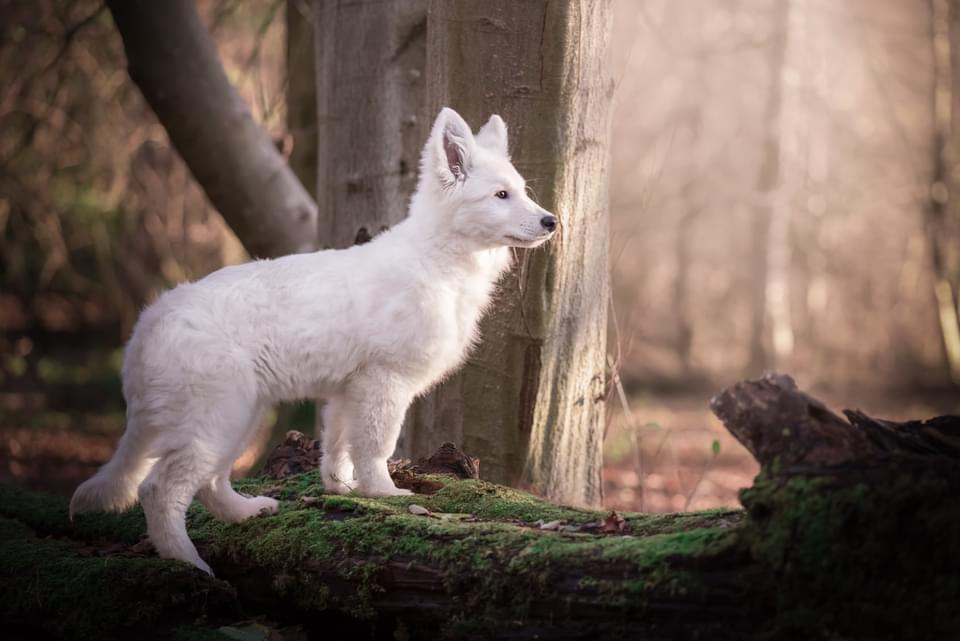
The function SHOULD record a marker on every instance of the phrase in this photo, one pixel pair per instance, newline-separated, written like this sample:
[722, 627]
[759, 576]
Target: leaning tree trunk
[529, 401]
[174, 63]
[369, 78]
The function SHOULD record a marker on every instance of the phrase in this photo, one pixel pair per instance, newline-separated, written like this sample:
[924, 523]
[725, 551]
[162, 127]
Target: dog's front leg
[376, 404]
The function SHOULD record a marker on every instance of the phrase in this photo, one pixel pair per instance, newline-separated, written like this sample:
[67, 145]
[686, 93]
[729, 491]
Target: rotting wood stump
[851, 531]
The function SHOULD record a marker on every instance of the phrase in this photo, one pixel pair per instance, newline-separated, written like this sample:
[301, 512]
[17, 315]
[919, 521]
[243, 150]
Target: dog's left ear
[493, 135]
[449, 151]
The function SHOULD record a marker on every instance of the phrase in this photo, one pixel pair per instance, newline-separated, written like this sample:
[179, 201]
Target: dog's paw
[261, 506]
[336, 486]
[382, 491]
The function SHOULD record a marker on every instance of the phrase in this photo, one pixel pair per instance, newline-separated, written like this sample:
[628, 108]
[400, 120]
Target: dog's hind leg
[219, 497]
[374, 408]
[336, 468]
[165, 495]
[228, 505]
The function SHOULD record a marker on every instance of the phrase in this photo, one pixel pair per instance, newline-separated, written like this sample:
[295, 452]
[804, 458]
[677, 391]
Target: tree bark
[529, 401]
[369, 65]
[174, 63]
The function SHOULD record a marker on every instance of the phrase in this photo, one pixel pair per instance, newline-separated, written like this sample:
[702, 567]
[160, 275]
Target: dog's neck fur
[450, 252]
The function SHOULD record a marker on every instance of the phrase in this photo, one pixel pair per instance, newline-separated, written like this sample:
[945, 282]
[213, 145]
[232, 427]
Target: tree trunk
[174, 63]
[529, 401]
[943, 184]
[768, 182]
[851, 531]
[302, 92]
[370, 58]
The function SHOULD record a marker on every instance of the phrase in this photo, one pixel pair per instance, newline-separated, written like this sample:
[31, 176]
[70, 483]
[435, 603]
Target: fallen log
[852, 530]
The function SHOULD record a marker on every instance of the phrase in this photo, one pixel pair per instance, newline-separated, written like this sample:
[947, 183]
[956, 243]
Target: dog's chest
[449, 325]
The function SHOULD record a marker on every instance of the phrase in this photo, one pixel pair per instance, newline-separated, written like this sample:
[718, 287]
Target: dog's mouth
[515, 241]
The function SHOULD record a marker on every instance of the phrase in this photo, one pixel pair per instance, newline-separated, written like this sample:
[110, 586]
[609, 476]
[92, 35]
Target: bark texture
[174, 63]
[369, 66]
[529, 401]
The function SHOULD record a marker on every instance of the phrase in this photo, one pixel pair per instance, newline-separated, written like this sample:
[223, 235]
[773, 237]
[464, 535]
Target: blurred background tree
[783, 193]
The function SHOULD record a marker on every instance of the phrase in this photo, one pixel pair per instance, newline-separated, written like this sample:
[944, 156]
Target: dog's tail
[114, 487]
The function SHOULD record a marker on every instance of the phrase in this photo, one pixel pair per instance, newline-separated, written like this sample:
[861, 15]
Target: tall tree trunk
[779, 255]
[302, 92]
[370, 58]
[768, 181]
[174, 63]
[690, 127]
[529, 401]
[943, 187]
[369, 116]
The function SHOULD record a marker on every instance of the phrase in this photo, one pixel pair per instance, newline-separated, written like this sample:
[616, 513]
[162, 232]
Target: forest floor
[671, 454]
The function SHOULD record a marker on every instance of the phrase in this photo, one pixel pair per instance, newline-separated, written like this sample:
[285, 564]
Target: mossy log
[864, 545]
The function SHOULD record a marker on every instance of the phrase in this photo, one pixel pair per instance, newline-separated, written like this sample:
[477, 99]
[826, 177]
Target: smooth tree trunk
[173, 61]
[529, 401]
[943, 184]
[301, 92]
[768, 182]
[369, 85]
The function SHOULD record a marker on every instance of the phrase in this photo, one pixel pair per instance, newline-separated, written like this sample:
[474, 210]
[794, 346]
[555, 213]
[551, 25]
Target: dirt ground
[672, 457]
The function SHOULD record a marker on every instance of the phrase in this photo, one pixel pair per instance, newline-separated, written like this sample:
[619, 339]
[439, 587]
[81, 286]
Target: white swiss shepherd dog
[366, 328]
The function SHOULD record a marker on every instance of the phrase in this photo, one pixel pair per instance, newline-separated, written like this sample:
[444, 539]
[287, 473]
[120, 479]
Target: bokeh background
[780, 199]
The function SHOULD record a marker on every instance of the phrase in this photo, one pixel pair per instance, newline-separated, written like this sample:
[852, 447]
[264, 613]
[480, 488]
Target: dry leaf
[613, 524]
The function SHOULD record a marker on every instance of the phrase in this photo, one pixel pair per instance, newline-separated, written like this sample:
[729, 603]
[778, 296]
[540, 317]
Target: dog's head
[485, 197]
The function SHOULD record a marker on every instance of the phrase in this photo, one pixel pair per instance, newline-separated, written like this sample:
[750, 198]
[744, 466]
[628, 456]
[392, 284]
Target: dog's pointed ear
[493, 135]
[449, 151]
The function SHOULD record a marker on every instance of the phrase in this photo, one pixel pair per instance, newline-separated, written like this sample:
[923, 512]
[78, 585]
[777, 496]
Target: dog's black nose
[549, 222]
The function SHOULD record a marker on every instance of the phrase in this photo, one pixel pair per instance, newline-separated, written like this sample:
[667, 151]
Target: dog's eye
[501, 194]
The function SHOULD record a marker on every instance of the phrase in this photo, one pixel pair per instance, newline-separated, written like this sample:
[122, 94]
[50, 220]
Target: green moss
[859, 559]
[47, 513]
[489, 565]
[60, 588]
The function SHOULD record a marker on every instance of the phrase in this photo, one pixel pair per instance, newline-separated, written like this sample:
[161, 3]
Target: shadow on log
[851, 531]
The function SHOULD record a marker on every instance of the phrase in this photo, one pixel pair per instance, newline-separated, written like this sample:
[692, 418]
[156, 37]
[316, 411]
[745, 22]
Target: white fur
[366, 328]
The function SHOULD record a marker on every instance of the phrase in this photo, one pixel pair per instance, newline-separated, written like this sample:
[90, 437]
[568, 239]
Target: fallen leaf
[552, 525]
[613, 524]
[453, 516]
[419, 510]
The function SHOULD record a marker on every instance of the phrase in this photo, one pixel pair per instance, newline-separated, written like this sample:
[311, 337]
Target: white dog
[366, 328]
